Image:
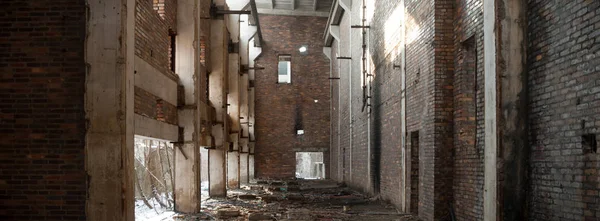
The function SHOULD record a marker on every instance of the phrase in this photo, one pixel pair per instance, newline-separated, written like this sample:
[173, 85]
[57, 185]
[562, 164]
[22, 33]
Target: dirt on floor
[295, 200]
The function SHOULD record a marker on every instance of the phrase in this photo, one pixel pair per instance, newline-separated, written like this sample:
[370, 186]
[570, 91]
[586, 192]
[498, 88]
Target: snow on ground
[143, 213]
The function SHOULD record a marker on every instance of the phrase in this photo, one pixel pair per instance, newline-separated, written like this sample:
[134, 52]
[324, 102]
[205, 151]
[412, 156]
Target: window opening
[285, 69]
[310, 165]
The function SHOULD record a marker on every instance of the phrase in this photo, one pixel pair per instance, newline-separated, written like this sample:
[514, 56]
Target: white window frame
[285, 78]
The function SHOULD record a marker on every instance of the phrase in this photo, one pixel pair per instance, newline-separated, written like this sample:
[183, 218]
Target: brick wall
[564, 82]
[42, 175]
[149, 105]
[430, 74]
[468, 111]
[155, 20]
[420, 101]
[152, 40]
[281, 107]
[386, 88]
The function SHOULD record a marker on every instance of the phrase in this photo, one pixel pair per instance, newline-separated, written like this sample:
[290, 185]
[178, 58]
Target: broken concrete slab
[228, 213]
[260, 217]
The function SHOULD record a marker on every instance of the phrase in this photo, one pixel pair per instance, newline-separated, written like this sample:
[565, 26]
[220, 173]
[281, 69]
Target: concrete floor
[296, 200]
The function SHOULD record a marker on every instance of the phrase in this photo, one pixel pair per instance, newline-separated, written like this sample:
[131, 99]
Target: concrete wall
[42, 110]
[282, 108]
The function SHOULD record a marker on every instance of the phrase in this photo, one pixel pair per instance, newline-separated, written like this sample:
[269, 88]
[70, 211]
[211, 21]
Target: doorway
[414, 172]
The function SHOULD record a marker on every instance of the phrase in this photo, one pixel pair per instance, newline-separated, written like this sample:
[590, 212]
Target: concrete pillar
[187, 152]
[244, 161]
[506, 144]
[217, 98]
[233, 164]
[251, 176]
[109, 160]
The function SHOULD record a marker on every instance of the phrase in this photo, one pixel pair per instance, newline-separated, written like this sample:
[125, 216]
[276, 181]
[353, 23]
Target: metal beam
[238, 12]
[272, 4]
[257, 42]
[293, 13]
[315, 5]
[293, 5]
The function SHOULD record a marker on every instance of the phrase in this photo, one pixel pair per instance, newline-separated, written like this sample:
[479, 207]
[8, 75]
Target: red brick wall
[280, 106]
[564, 89]
[42, 125]
[153, 20]
[468, 111]
[149, 105]
[152, 41]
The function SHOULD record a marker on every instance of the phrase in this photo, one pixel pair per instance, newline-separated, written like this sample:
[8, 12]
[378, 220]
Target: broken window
[285, 69]
[310, 165]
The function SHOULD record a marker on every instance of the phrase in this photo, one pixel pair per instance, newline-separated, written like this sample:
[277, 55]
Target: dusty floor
[295, 200]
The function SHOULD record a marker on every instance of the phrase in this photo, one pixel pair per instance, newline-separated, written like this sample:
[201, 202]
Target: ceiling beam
[293, 13]
[315, 5]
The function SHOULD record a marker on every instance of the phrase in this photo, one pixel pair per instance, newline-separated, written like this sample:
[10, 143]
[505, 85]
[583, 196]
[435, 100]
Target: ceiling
[295, 7]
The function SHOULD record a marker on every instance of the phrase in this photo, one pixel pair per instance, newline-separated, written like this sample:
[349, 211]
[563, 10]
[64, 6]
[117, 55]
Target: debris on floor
[320, 200]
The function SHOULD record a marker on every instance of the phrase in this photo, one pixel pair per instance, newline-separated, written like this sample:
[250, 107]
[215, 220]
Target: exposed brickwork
[430, 73]
[468, 111]
[564, 83]
[280, 108]
[155, 22]
[149, 105]
[386, 91]
[42, 125]
[152, 40]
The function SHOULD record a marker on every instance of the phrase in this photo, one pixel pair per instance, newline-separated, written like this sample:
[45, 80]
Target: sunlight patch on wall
[392, 29]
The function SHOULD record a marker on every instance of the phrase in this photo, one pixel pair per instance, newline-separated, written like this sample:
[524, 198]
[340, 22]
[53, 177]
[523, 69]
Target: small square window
[285, 69]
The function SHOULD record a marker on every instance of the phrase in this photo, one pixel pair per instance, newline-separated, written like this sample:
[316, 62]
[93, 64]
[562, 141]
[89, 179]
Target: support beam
[272, 4]
[293, 5]
[506, 122]
[233, 97]
[109, 160]
[233, 163]
[346, 5]
[187, 155]
[327, 52]
[244, 153]
[258, 41]
[315, 5]
[292, 13]
[334, 30]
[217, 97]
[251, 176]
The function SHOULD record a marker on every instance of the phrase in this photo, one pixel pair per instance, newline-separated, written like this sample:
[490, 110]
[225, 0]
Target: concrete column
[218, 97]
[187, 153]
[506, 144]
[251, 176]
[244, 161]
[405, 163]
[233, 164]
[109, 160]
